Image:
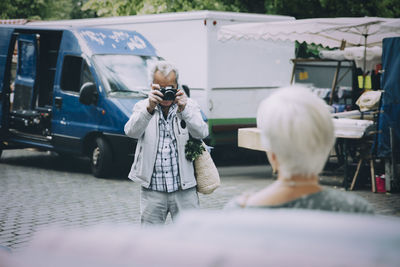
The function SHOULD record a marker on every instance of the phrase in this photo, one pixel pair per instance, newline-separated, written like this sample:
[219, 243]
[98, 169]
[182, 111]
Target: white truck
[228, 79]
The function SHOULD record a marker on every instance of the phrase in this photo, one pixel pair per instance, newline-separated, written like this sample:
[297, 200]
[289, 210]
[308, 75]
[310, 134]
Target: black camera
[168, 92]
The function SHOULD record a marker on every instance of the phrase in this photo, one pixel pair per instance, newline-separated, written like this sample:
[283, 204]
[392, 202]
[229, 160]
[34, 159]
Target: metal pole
[293, 71]
[393, 159]
[365, 60]
[334, 83]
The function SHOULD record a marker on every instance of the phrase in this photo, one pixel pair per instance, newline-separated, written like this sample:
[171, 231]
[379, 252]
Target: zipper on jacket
[138, 157]
[177, 124]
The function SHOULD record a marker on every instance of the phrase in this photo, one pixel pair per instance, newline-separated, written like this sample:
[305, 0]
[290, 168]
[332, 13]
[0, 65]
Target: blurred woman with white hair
[297, 133]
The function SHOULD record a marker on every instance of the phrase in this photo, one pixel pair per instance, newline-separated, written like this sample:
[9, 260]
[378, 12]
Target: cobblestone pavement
[39, 190]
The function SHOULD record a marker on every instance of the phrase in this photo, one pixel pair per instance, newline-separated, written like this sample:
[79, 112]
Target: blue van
[71, 90]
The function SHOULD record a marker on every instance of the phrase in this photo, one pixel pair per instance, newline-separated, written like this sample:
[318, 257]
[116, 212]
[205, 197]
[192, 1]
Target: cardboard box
[250, 138]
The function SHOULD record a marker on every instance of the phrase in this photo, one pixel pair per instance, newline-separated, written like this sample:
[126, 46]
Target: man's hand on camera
[180, 100]
[155, 97]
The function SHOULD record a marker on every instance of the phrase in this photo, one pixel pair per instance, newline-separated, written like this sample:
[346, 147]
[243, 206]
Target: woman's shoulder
[345, 201]
[327, 199]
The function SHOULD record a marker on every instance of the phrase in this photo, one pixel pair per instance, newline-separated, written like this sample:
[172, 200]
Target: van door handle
[58, 102]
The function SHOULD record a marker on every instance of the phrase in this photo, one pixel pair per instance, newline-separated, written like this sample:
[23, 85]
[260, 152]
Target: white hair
[297, 127]
[164, 67]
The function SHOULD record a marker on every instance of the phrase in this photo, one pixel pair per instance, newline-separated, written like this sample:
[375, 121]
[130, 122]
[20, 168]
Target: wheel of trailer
[101, 158]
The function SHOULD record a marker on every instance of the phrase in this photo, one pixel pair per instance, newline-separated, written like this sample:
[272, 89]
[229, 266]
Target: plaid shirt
[165, 176]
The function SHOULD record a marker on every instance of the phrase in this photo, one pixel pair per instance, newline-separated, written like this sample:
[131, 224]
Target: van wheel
[101, 158]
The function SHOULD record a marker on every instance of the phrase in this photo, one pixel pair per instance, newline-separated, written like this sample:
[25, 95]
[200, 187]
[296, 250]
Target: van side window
[75, 73]
[26, 69]
[86, 75]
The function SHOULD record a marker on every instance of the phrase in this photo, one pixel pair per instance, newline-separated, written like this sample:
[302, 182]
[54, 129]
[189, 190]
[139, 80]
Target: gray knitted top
[327, 200]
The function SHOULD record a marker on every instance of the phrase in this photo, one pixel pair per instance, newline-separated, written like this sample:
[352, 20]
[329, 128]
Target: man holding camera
[162, 124]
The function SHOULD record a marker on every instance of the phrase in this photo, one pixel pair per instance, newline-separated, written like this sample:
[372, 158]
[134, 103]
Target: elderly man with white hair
[162, 123]
[297, 133]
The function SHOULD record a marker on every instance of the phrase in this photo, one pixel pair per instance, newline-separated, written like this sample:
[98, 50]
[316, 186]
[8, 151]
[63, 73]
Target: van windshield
[124, 73]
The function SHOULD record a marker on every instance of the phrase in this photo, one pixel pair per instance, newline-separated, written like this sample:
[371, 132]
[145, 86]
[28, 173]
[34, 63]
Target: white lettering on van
[118, 36]
[136, 42]
[96, 37]
[133, 42]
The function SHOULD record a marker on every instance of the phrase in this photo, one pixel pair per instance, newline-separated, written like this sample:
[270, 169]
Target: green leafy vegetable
[193, 149]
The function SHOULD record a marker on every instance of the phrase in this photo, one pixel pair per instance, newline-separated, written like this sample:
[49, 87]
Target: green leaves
[70, 9]
[305, 50]
[193, 149]
[108, 8]
[43, 9]
[22, 9]
[297, 8]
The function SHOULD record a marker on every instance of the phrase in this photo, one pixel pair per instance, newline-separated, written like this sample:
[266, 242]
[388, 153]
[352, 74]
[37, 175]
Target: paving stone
[37, 192]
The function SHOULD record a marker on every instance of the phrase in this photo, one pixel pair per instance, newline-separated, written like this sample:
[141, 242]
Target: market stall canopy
[368, 31]
[393, 26]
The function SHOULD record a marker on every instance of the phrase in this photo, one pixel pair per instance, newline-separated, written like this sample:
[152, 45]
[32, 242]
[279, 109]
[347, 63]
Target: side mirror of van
[88, 94]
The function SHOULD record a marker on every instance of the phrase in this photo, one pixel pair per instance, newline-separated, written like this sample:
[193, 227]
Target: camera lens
[169, 94]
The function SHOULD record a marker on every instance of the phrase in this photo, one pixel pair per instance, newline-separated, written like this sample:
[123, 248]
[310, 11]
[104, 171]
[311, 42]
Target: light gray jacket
[144, 127]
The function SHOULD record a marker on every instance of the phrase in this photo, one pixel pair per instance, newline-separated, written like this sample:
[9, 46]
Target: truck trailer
[227, 79]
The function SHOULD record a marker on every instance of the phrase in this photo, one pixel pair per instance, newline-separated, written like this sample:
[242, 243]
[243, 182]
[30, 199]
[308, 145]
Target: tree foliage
[107, 8]
[70, 9]
[297, 8]
[43, 9]
[15, 9]
[334, 8]
[133, 7]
